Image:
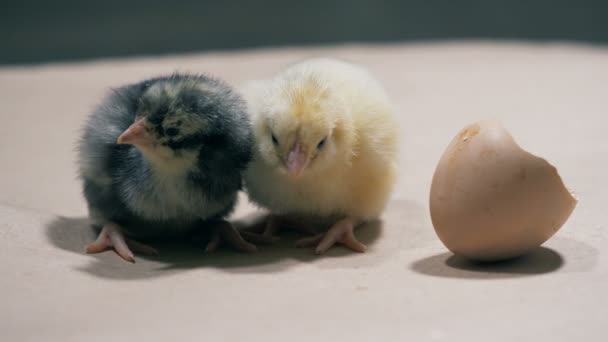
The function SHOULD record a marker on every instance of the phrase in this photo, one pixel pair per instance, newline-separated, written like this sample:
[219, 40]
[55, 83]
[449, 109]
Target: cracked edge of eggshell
[497, 123]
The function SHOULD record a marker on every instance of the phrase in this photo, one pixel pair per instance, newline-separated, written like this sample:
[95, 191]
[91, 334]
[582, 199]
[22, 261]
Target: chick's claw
[310, 241]
[112, 237]
[341, 232]
[214, 243]
[259, 238]
[141, 248]
[272, 226]
[240, 240]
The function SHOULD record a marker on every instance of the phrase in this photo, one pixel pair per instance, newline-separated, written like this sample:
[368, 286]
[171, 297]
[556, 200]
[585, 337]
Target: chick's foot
[272, 226]
[240, 240]
[112, 237]
[341, 232]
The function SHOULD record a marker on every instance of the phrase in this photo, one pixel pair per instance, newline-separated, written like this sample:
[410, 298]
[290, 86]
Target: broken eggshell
[491, 200]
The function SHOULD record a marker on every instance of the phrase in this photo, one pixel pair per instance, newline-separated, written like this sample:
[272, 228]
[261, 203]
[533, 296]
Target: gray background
[40, 31]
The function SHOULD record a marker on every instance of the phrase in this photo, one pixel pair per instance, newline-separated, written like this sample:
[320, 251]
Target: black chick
[163, 158]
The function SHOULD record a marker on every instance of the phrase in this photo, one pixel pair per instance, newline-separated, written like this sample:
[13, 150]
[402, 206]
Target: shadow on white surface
[447, 265]
[405, 226]
[573, 256]
[72, 234]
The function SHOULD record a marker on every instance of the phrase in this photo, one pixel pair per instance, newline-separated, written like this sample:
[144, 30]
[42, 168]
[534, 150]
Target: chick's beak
[297, 160]
[136, 134]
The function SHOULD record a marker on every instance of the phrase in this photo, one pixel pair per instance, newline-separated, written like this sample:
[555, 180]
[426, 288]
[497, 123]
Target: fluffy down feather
[326, 146]
[185, 143]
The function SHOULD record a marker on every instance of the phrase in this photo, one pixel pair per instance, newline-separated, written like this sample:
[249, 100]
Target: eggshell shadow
[540, 261]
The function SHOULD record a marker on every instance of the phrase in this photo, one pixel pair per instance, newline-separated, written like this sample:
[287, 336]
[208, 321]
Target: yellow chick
[326, 148]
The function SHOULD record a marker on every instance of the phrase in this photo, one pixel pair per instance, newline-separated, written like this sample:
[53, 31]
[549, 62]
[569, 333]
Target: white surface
[552, 98]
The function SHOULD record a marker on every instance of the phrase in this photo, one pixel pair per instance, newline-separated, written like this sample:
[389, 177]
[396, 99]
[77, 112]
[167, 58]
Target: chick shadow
[72, 234]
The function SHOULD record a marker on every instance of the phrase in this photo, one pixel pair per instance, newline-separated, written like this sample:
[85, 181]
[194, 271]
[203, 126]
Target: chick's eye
[171, 131]
[274, 139]
[321, 143]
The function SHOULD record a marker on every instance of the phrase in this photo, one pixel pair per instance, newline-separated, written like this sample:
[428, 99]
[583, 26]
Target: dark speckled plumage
[201, 125]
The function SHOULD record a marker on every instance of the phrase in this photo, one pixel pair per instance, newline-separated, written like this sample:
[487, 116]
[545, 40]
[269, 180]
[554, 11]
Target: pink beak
[136, 134]
[296, 159]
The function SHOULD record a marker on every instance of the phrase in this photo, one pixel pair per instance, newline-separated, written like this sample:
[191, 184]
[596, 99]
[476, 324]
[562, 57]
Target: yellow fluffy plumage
[326, 146]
